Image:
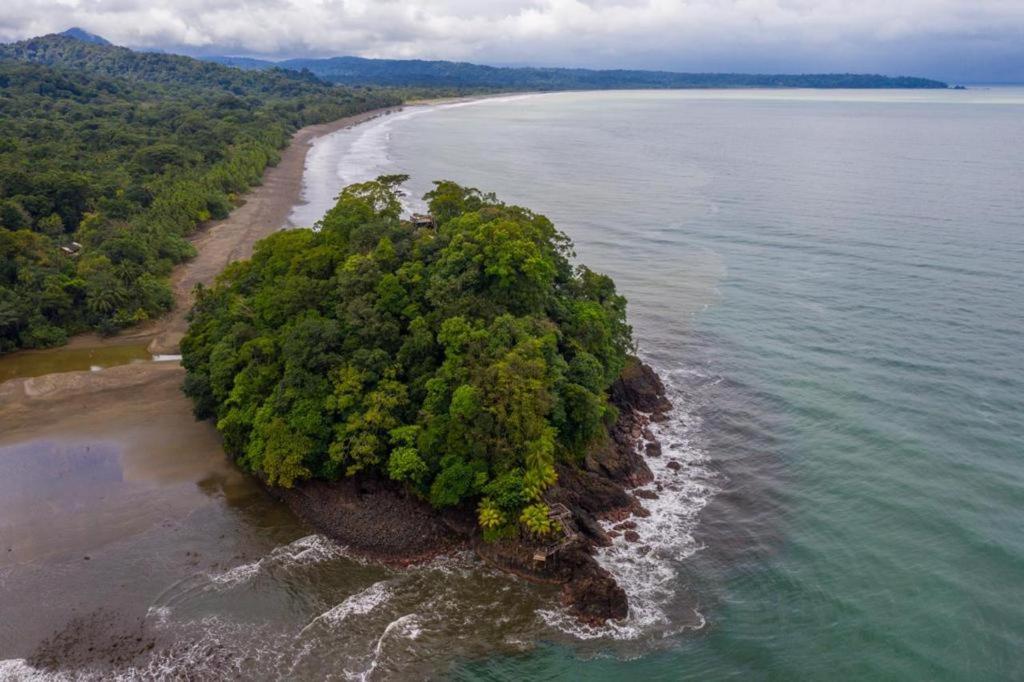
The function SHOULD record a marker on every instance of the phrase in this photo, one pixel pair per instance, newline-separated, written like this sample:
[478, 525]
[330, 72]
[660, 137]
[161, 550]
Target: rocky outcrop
[377, 518]
[639, 388]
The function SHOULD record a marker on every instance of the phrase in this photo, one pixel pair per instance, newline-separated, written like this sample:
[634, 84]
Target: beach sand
[49, 400]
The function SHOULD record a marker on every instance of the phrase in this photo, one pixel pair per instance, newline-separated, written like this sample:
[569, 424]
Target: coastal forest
[462, 358]
[110, 159]
[462, 77]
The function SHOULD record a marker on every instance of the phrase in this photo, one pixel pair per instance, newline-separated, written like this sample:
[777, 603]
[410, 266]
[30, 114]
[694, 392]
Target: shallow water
[34, 363]
[829, 283]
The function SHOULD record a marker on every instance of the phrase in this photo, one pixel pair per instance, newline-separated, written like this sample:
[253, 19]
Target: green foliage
[465, 361]
[535, 519]
[126, 153]
[460, 77]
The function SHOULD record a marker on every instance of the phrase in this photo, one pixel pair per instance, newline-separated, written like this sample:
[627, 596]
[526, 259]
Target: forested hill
[443, 74]
[69, 51]
[110, 158]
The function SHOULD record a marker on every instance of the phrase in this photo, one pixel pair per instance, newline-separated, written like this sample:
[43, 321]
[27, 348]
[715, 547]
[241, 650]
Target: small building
[72, 249]
[423, 220]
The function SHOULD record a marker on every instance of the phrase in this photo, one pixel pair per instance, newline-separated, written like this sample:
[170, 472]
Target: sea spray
[647, 569]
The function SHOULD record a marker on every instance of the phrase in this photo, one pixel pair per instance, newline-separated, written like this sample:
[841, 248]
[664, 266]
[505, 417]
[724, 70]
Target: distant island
[444, 74]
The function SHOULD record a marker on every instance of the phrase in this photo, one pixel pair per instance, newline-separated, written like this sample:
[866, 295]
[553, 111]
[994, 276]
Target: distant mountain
[85, 36]
[110, 61]
[443, 74]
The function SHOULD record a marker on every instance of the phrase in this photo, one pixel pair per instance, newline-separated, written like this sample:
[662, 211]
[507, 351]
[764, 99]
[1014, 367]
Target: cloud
[959, 38]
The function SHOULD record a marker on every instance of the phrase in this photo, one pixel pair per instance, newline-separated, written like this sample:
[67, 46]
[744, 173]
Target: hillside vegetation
[463, 361]
[125, 154]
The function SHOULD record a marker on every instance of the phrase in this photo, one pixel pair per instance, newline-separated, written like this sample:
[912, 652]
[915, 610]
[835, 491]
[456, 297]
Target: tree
[463, 362]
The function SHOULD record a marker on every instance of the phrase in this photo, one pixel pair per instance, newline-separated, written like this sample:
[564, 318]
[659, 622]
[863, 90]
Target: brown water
[34, 363]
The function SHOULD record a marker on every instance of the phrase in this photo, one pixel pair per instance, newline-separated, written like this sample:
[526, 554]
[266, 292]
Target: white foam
[407, 626]
[18, 670]
[357, 604]
[359, 154]
[308, 550]
[647, 570]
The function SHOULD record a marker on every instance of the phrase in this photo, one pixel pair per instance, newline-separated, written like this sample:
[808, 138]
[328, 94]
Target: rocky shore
[378, 519]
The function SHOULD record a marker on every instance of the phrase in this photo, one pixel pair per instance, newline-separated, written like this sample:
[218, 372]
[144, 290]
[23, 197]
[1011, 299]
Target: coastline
[264, 210]
[77, 403]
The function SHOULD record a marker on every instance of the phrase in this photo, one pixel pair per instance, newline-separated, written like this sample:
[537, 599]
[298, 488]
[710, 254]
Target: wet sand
[134, 413]
[265, 211]
[59, 397]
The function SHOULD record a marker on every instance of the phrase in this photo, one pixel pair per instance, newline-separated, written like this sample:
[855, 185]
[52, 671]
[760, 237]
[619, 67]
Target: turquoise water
[832, 284]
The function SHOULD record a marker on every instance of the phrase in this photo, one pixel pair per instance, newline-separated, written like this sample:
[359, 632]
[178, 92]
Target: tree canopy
[125, 154]
[462, 360]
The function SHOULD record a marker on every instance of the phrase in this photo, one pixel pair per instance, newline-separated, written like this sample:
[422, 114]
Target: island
[412, 387]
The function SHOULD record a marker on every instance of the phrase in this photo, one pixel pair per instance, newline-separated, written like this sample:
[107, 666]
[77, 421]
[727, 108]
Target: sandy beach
[59, 402]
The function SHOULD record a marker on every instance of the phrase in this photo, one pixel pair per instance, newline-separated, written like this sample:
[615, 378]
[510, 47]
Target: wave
[359, 154]
[356, 604]
[648, 570]
[407, 627]
[306, 551]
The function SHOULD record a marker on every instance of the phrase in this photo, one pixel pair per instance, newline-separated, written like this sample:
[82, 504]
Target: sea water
[830, 284]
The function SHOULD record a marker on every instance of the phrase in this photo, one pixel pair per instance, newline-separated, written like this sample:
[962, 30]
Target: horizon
[215, 56]
[955, 41]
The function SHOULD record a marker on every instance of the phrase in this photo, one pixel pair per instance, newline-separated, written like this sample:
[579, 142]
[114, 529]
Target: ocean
[830, 284]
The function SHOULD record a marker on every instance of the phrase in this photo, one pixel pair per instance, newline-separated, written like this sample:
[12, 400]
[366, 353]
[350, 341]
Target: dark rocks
[639, 388]
[617, 459]
[375, 517]
[593, 595]
[674, 465]
[379, 519]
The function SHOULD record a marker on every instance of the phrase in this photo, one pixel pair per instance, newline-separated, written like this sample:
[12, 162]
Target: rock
[589, 490]
[646, 494]
[374, 517]
[674, 465]
[631, 536]
[595, 597]
[640, 388]
[653, 449]
[616, 458]
[626, 525]
[642, 512]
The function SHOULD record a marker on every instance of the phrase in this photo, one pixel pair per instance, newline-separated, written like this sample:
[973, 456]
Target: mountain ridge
[347, 70]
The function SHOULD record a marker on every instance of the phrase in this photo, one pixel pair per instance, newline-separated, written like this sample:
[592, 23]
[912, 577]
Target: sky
[972, 41]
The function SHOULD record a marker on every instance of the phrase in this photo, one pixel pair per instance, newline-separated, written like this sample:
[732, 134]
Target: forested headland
[110, 158]
[463, 361]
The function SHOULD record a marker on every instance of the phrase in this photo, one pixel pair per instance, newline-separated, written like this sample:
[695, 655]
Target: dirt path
[56, 397]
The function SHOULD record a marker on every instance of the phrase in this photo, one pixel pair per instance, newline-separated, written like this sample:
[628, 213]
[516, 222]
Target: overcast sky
[960, 40]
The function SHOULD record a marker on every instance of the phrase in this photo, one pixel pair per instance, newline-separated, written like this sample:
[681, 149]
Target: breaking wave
[648, 569]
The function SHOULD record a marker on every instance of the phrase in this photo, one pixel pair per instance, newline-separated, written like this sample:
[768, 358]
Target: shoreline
[264, 210]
